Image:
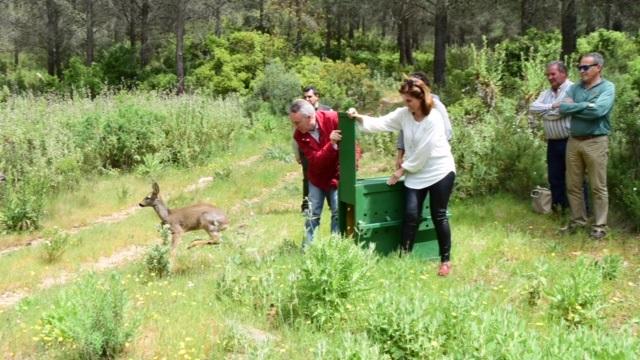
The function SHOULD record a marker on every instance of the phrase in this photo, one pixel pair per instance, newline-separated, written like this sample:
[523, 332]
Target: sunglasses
[583, 68]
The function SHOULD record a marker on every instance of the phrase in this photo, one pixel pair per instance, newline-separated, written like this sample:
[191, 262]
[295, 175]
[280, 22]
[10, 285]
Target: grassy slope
[497, 242]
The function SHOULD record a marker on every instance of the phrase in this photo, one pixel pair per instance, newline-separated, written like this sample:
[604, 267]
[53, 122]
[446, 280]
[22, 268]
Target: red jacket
[323, 171]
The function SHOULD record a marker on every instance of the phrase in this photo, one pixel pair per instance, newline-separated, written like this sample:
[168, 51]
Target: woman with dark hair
[428, 164]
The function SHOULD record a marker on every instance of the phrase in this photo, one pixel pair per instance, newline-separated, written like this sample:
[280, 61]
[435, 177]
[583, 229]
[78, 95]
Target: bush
[120, 67]
[123, 137]
[89, 320]
[340, 84]
[334, 275]
[165, 82]
[228, 65]
[277, 87]
[493, 145]
[23, 204]
[403, 328]
[82, 79]
[617, 48]
[350, 347]
[577, 299]
[157, 259]
[610, 266]
[624, 168]
[56, 244]
[30, 81]
[279, 153]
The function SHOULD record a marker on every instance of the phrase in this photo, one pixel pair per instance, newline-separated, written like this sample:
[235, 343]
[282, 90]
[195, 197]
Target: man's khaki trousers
[588, 157]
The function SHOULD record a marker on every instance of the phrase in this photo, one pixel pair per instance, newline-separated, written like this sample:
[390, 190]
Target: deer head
[152, 198]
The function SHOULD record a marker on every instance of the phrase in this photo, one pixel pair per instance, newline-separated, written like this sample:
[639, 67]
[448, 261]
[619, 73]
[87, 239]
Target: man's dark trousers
[556, 170]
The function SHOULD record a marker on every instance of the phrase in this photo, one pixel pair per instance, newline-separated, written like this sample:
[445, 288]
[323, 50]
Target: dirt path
[129, 254]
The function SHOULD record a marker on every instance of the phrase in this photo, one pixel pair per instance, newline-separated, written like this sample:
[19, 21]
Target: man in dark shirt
[589, 103]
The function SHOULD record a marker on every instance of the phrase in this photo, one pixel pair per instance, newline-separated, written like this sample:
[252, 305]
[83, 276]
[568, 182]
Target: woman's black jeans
[439, 194]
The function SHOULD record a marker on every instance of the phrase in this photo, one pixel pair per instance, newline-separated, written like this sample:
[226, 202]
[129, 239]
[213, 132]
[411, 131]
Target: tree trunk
[298, 42]
[339, 21]
[589, 21]
[90, 24]
[328, 32]
[131, 32]
[180, 21]
[52, 24]
[131, 26]
[617, 24]
[402, 17]
[400, 41]
[16, 54]
[145, 46]
[261, 26]
[607, 15]
[408, 49]
[526, 15]
[440, 44]
[569, 24]
[217, 15]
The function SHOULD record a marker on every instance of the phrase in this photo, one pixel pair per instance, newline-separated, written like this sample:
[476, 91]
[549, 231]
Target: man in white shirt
[556, 131]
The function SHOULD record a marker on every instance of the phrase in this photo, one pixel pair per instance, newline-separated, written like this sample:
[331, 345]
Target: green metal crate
[372, 211]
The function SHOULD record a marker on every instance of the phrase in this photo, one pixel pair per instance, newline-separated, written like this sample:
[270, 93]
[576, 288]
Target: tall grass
[51, 142]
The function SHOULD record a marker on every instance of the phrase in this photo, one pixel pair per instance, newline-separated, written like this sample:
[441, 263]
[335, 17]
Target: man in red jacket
[317, 136]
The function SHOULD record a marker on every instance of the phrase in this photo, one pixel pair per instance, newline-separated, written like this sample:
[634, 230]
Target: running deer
[194, 217]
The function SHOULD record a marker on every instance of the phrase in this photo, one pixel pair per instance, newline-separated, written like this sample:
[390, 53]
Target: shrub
[55, 246]
[534, 43]
[89, 320]
[157, 259]
[577, 299]
[610, 266]
[340, 84]
[535, 285]
[402, 327]
[165, 82]
[152, 165]
[82, 79]
[228, 65]
[334, 275]
[277, 86]
[350, 347]
[590, 343]
[23, 204]
[624, 169]
[119, 66]
[617, 48]
[123, 137]
[234, 340]
[279, 154]
[31, 81]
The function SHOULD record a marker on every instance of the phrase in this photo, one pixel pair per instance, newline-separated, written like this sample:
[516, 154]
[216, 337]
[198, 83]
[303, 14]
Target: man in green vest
[589, 103]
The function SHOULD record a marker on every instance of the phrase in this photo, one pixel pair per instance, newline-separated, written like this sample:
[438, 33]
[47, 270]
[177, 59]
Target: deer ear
[155, 187]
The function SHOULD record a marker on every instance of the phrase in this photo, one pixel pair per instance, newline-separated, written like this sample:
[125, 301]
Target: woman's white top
[427, 156]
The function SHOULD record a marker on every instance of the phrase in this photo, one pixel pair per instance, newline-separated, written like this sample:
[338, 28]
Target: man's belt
[586, 137]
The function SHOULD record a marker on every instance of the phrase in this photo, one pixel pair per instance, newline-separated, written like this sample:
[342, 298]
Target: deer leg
[175, 240]
[214, 239]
